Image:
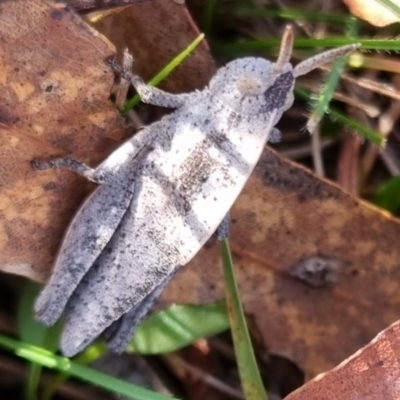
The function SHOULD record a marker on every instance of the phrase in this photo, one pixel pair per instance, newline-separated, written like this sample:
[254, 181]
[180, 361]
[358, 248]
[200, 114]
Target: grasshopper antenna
[324, 58]
[285, 51]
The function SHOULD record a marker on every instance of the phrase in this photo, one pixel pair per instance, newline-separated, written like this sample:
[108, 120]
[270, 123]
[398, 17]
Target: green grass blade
[165, 71]
[330, 84]
[292, 14]
[390, 6]
[249, 374]
[260, 46]
[325, 97]
[32, 332]
[368, 44]
[32, 385]
[50, 360]
[208, 16]
[369, 134]
[178, 326]
[388, 195]
[91, 354]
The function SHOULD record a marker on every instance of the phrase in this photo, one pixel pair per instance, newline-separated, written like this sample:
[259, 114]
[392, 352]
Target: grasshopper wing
[125, 280]
[120, 333]
[87, 236]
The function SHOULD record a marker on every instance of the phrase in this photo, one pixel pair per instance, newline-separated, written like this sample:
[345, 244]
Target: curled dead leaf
[371, 373]
[373, 11]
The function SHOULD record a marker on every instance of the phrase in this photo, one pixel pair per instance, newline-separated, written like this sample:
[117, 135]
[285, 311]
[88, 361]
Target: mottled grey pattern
[163, 194]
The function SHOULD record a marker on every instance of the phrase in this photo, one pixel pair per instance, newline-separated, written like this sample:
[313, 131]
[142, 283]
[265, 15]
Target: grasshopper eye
[276, 96]
[250, 85]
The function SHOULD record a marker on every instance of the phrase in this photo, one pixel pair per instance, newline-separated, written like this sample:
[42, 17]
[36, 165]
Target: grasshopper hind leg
[121, 332]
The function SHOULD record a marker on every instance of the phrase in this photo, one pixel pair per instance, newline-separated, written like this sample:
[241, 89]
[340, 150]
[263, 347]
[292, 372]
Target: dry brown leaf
[373, 373]
[155, 32]
[54, 94]
[373, 11]
[288, 219]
